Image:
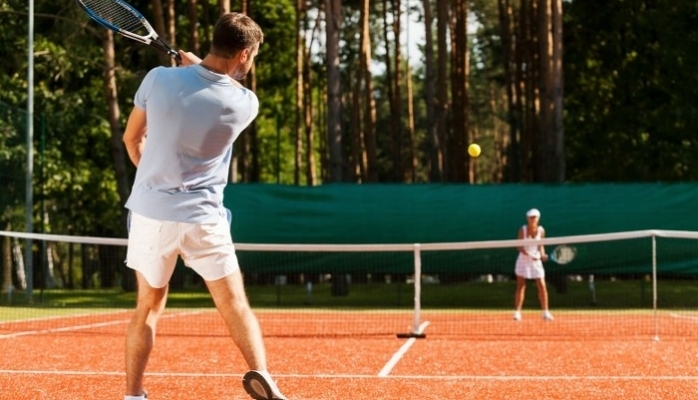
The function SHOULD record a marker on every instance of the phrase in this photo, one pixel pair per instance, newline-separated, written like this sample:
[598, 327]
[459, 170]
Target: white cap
[533, 213]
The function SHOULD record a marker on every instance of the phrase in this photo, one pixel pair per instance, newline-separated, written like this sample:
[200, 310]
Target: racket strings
[563, 254]
[115, 13]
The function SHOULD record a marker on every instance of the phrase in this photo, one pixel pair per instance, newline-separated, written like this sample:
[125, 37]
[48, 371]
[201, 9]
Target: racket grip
[175, 56]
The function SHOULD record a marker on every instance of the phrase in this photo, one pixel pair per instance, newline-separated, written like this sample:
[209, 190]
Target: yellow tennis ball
[474, 150]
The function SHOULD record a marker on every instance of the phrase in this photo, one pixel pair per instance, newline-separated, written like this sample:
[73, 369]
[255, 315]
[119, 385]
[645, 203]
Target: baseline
[364, 376]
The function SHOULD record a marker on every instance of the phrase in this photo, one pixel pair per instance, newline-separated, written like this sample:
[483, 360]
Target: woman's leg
[542, 293]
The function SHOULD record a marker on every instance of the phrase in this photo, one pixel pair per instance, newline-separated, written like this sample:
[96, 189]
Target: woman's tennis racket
[563, 254]
[122, 18]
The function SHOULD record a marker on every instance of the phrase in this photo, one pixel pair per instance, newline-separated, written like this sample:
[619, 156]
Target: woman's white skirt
[528, 268]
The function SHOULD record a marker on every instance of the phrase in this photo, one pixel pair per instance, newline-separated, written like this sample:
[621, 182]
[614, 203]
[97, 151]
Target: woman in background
[529, 265]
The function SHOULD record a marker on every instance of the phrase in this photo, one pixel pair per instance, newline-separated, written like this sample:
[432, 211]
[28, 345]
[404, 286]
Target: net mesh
[633, 284]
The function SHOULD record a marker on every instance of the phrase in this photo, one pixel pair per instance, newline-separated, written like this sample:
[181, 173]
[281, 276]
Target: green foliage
[73, 171]
[630, 96]
[276, 75]
[630, 90]
[12, 164]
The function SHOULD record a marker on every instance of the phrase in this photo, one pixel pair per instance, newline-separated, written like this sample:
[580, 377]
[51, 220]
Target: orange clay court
[357, 355]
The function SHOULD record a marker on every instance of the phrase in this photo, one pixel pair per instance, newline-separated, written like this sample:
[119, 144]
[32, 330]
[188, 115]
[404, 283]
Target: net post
[654, 288]
[417, 327]
[417, 286]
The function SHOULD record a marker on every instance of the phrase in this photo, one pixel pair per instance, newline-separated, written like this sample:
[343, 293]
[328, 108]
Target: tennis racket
[122, 18]
[563, 254]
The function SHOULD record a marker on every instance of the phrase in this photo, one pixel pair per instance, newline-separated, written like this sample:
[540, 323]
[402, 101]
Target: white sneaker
[144, 396]
[547, 316]
[260, 386]
[517, 315]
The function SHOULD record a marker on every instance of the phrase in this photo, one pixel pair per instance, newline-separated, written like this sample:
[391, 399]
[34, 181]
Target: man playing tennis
[191, 116]
[529, 265]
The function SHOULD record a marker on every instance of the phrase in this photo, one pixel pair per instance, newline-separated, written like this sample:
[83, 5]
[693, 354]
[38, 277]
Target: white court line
[87, 326]
[403, 349]
[64, 329]
[64, 316]
[679, 316]
[360, 376]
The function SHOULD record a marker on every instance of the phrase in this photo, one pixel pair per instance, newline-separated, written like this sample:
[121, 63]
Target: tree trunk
[159, 26]
[459, 164]
[506, 19]
[394, 135]
[245, 163]
[527, 70]
[369, 131]
[114, 118]
[464, 61]
[206, 25]
[519, 49]
[544, 122]
[86, 264]
[107, 263]
[70, 273]
[171, 27]
[442, 105]
[333, 15]
[238, 165]
[58, 265]
[223, 7]
[7, 284]
[501, 133]
[300, 101]
[252, 131]
[311, 172]
[410, 123]
[392, 81]
[410, 102]
[50, 270]
[324, 145]
[193, 27]
[356, 168]
[557, 148]
[396, 103]
[18, 257]
[435, 155]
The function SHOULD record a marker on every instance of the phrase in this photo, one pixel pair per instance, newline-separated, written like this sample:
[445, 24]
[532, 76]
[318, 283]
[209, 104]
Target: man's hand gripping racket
[122, 18]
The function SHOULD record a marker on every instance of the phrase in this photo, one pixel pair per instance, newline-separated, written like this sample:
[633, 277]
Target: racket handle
[175, 56]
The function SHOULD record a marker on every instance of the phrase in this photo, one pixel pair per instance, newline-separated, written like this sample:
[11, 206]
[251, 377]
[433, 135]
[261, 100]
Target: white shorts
[528, 268]
[153, 247]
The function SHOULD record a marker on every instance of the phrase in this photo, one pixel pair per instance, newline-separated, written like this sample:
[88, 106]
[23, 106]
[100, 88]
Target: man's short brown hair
[233, 33]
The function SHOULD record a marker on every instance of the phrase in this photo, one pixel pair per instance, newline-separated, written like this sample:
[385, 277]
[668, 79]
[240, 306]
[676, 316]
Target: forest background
[385, 91]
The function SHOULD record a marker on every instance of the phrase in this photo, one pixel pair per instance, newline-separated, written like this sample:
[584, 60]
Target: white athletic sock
[141, 397]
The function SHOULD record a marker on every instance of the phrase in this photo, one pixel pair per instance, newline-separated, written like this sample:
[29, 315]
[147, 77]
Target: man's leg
[141, 333]
[229, 295]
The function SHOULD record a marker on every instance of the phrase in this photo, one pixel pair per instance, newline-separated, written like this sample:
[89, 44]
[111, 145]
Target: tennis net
[633, 284]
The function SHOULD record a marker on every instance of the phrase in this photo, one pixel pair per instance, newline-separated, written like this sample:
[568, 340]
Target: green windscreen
[434, 213]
